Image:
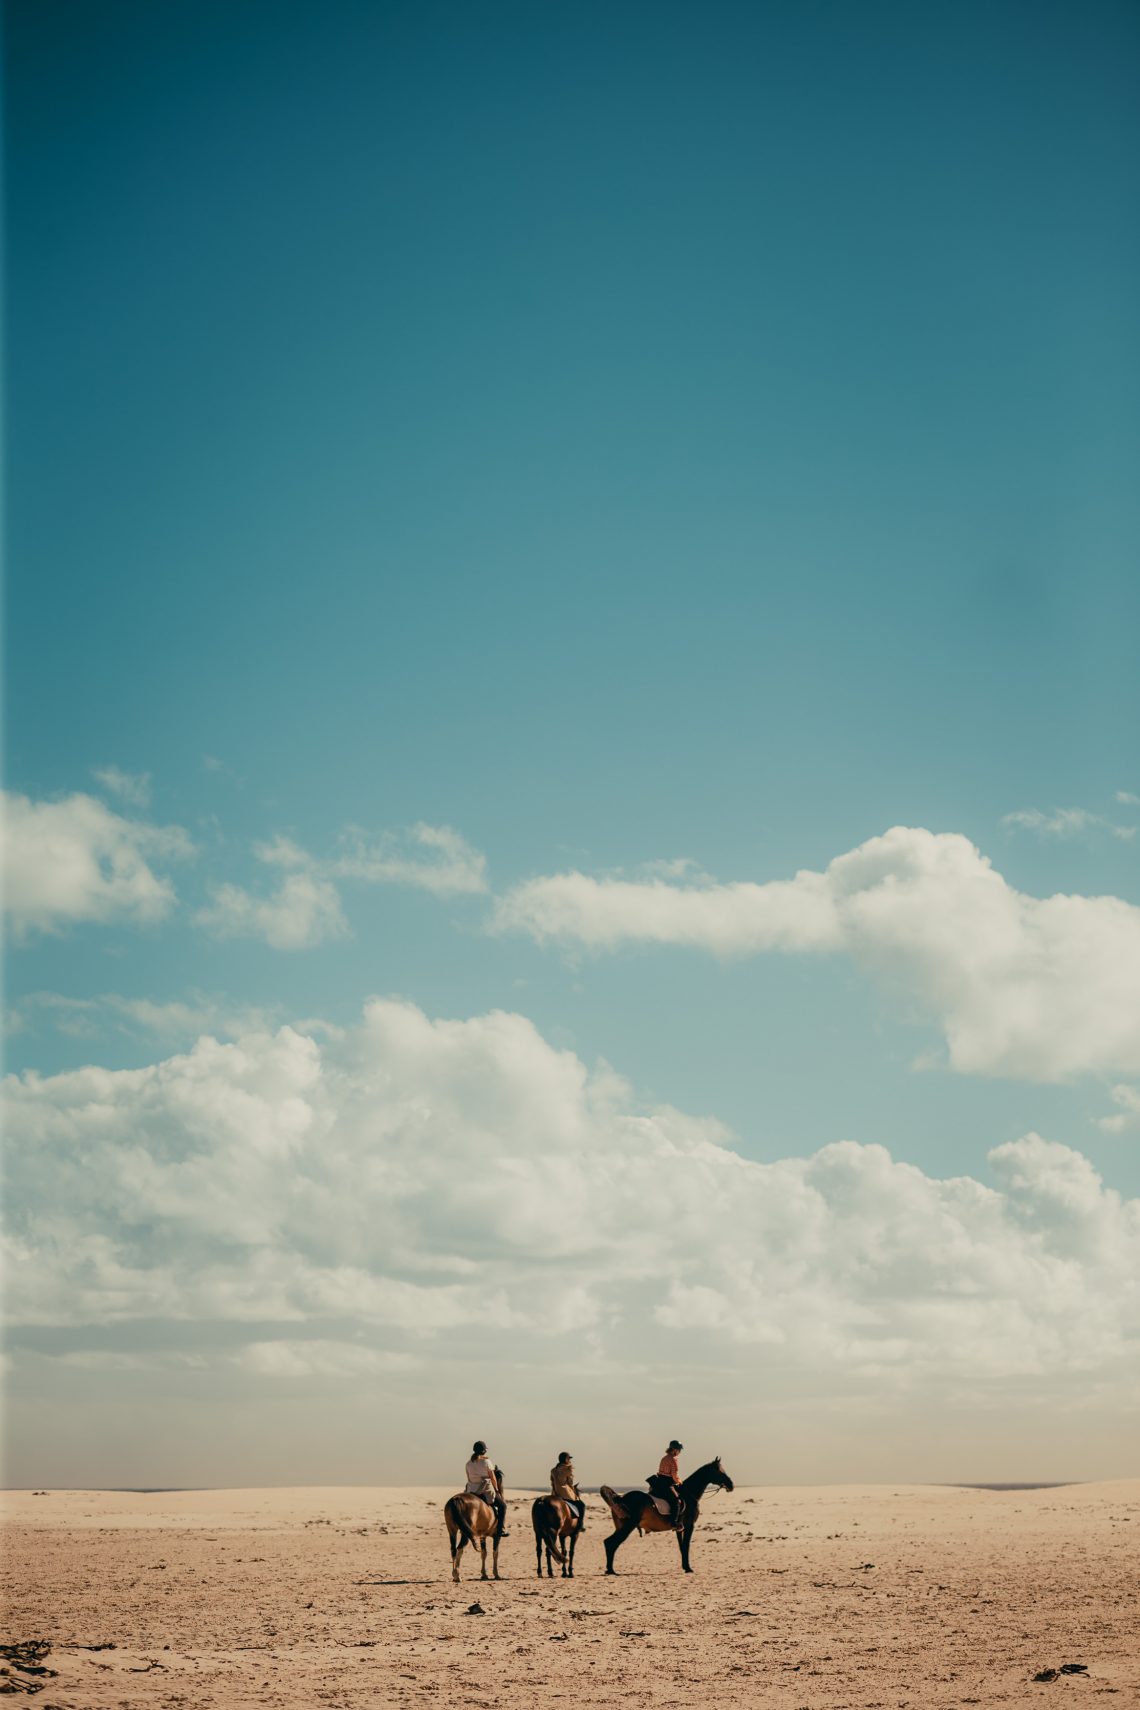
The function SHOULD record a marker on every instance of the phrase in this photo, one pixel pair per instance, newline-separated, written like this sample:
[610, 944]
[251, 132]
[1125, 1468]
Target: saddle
[667, 1510]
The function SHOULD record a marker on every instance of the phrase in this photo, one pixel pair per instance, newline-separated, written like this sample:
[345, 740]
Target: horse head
[711, 1473]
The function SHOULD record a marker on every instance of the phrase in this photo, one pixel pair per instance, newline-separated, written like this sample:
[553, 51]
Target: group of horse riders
[485, 1479]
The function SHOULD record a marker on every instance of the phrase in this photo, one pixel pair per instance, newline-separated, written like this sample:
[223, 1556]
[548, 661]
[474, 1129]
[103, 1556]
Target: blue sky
[621, 435]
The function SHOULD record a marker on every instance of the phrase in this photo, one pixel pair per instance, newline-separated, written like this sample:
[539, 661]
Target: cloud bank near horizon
[388, 1194]
[1040, 989]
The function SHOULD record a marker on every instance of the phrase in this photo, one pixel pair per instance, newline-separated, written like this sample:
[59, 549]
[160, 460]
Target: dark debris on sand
[1046, 1674]
[26, 1658]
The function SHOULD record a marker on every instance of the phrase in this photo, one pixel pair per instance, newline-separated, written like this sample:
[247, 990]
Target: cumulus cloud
[1067, 822]
[76, 860]
[130, 787]
[1035, 988]
[1127, 798]
[340, 1202]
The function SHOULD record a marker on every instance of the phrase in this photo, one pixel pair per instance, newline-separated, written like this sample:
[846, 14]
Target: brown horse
[471, 1520]
[554, 1521]
[637, 1512]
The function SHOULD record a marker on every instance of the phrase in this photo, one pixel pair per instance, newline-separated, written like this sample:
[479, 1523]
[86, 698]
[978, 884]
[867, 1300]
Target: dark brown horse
[555, 1522]
[637, 1512]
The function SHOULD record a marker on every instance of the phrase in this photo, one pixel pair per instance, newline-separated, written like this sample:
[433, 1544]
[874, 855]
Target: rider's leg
[500, 1508]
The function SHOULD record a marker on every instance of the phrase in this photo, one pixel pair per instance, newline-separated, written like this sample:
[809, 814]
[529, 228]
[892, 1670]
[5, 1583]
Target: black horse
[635, 1511]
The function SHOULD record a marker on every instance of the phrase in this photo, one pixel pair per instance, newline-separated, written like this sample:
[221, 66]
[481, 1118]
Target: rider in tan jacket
[564, 1485]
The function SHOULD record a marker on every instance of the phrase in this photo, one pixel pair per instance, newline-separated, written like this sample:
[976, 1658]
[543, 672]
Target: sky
[572, 782]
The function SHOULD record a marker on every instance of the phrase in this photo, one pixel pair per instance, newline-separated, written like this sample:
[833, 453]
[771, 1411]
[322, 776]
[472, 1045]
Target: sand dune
[862, 1596]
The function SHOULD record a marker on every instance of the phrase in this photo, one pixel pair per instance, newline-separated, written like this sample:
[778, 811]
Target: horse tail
[614, 1503]
[453, 1510]
[548, 1524]
[554, 1533]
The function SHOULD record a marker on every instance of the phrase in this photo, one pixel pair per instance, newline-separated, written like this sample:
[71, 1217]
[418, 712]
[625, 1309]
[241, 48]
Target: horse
[471, 1520]
[554, 1520]
[637, 1511]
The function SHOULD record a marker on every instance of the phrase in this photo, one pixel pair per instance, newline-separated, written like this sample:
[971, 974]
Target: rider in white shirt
[483, 1481]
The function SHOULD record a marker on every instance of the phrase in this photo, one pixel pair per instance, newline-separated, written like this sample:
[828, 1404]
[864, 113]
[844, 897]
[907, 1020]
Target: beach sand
[868, 1596]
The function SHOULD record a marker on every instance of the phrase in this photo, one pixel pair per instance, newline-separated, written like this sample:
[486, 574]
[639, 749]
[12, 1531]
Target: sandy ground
[866, 1596]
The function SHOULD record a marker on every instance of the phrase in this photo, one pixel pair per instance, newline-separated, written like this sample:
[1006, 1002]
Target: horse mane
[702, 1474]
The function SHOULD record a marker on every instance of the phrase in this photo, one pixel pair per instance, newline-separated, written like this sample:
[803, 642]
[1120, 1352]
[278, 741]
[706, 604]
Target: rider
[668, 1480]
[564, 1485]
[485, 1480]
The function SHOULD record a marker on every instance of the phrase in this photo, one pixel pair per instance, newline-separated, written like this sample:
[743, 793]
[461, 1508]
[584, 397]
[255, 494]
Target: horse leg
[483, 1553]
[495, 1556]
[573, 1542]
[684, 1539]
[538, 1551]
[614, 1542]
[456, 1552]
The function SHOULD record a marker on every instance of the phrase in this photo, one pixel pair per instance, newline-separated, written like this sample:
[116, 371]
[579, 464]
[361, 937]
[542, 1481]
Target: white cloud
[433, 857]
[464, 1181]
[1126, 798]
[1067, 822]
[76, 860]
[306, 909]
[302, 912]
[1035, 988]
[179, 1019]
[130, 787]
[283, 852]
[1127, 1113]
